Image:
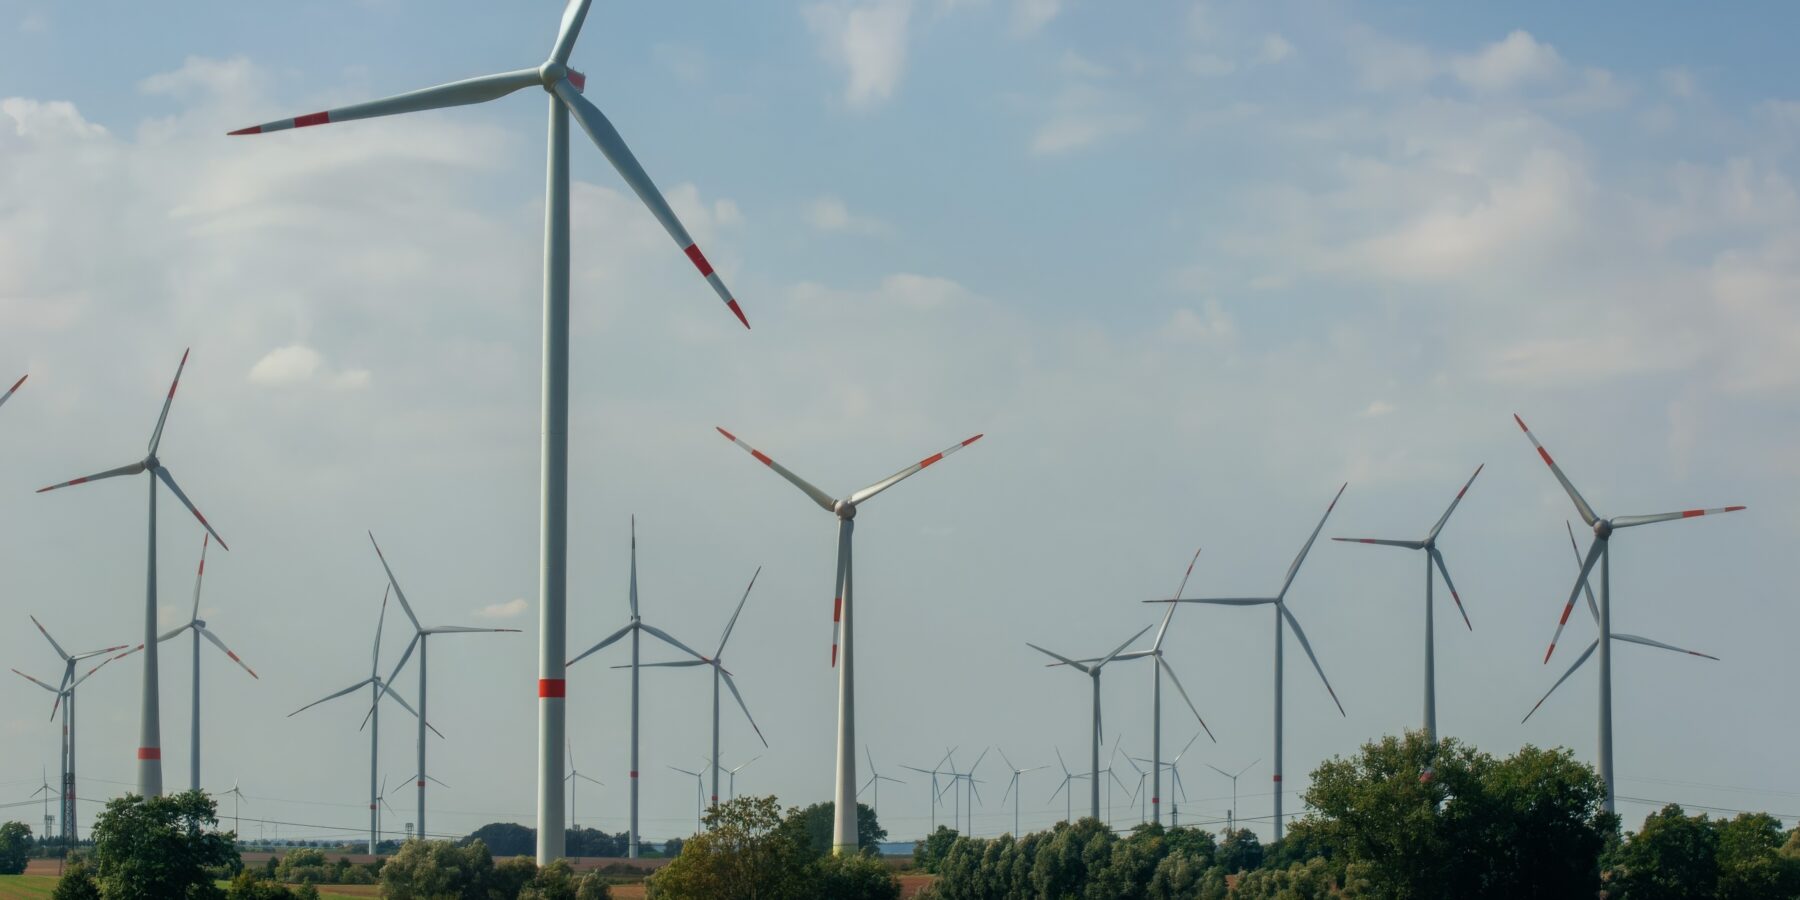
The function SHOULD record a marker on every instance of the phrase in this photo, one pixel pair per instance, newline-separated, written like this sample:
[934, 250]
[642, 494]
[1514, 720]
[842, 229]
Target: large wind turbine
[564, 85]
[843, 834]
[149, 752]
[1012, 788]
[1601, 551]
[1092, 671]
[377, 689]
[1162, 666]
[198, 626]
[1432, 558]
[420, 634]
[636, 627]
[1282, 614]
[65, 698]
[717, 663]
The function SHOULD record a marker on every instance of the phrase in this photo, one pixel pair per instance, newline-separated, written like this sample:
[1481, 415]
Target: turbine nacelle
[1603, 529]
[844, 509]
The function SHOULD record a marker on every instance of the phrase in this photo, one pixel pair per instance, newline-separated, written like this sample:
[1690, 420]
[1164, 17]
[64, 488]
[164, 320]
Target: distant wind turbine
[1283, 615]
[1174, 767]
[1432, 558]
[1012, 788]
[149, 752]
[1068, 777]
[958, 778]
[699, 798]
[1601, 551]
[873, 785]
[574, 776]
[419, 640]
[843, 831]
[1092, 671]
[65, 699]
[1231, 817]
[934, 772]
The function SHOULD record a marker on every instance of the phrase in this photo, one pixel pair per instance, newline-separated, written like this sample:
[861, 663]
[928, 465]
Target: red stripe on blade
[699, 259]
[761, 458]
[972, 440]
[737, 312]
[318, 118]
[17, 383]
[837, 609]
[1546, 455]
[834, 656]
[1735, 508]
[930, 459]
[551, 687]
[149, 753]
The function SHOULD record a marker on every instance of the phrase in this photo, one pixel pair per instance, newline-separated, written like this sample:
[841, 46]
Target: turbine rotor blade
[332, 696]
[1307, 646]
[162, 472]
[1632, 638]
[610, 639]
[573, 15]
[131, 469]
[1438, 558]
[1587, 566]
[14, 389]
[1410, 545]
[1170, 671]
[735, 613]
[665, 637]
[1163, 630]
[732, 684]
[1065, 660]
[908, 472]
[1459, 495]
[1629, 521]
[1578, 661]
[1223, 601]
[456, 93]
[1121, 647]
[1581, 506]
[54, 645]
[607, 138]
[407, 607]
[1294, 567]
[46, 687]
[200, 573]
[846, 529]
[156, 436]
[1593, 608]
[825, 501]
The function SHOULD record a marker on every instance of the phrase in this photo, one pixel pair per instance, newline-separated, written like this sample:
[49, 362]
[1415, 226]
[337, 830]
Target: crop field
[37, 887]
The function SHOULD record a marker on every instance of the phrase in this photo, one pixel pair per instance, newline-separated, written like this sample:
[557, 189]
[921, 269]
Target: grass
[38, 887]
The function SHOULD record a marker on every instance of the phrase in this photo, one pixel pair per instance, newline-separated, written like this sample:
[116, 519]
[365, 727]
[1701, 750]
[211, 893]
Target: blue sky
[1188, 266]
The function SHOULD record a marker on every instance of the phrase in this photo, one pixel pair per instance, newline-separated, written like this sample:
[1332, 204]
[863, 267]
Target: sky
[1189, 268]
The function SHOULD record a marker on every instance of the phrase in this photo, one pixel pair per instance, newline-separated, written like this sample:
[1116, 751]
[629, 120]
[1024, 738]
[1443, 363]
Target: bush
[751, 850]
[160, 848]
[930, 851]
[855, 877]
[77, 883]
[250, 885]
[430, 870]
[15, 847]
[557, 881]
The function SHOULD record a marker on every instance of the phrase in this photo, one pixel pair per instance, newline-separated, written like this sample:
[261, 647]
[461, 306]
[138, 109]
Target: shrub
[15, 847]
[160, 848]
[77, 883]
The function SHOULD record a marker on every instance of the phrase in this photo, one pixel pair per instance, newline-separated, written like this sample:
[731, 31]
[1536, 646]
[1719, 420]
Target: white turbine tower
[1433, 557]
[843, 833]
[377, 689]
[149, 752]
[1282, 615]
[198, 626]
[873, 785]
[1161, 668]
[420, 641]
[564, 87]
[1012, 787]
[1092, 671]
[1601, 551]
[1069, 801]
[721, 675]
[636, 628]
[65, 700]
[574, 776]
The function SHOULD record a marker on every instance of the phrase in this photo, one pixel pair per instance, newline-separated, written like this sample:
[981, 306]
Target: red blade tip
[728, 435]
[738, 312]
[254, 129]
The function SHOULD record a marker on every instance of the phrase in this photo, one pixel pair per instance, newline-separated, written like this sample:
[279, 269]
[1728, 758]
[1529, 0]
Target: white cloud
[1082, 117]
[685, 62]
[1211, 326]
[1030, 16]
[1275, 48]
[298, 364]
[1075, 65]
[1515, 60]
[867, 40]
[1377, 408]
[829, 213]
[509, 609]
[1209, 65]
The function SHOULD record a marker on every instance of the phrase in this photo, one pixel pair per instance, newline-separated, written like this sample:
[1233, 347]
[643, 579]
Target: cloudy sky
[1189, 267]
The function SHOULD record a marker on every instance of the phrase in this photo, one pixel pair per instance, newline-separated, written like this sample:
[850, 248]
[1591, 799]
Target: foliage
[1310, 880]
[505, 839]
[1528, 825]
[1680, 856]
[439, 870]
[1239, 851]
[15, 847]
[160, 848]
[251, 885]
[76, 883]
[813, 825]
[1752, 864]
[930, 851]
[750, 849]
[557, 881]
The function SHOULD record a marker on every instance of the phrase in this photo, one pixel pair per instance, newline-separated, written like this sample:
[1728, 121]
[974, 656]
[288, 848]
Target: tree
[1310, 880]
[1239, 851]
[813, 825]
[434, 870]
[161, 848]
[1072, 854]
[747, 850]
[1751, 863]
[77, 883]
[15, 847]
[855, 876]
[505, 839]
[557, 881]
[1674, 857]
[930, 851]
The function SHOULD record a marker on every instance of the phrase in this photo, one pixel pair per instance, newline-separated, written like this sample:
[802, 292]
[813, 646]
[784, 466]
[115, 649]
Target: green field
[37, 887]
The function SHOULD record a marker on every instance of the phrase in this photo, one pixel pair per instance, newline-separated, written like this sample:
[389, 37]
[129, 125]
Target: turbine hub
[150, 461]
[1603, 529]
[844, 510]
[552, 72]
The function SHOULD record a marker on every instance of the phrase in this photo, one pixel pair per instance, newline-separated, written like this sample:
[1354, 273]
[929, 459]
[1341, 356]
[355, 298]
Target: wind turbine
[237, 796]
[720, 674]
[13, 390]
[1601, 551]
[1433, 557]
[873, 785]
[968, 777]
[65, 698]
[45, 791]
[636, 627]
[1069, 801]
[1279, 601]
[1162, 666]
[149, 753]
[377, 689]
[843, 833]
[382, 797]
[1113, 777]
[419, 640]
[732, 773]
[198, 626]
[699, 797]
[1231, 818]
[564, 85]
[1092, 670]
[1175, 776]
[934, 771]
[1012, 787]
[574, 776]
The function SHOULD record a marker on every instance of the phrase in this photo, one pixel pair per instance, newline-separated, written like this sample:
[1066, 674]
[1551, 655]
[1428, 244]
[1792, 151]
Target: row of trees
[1405, 818]
[753, 850]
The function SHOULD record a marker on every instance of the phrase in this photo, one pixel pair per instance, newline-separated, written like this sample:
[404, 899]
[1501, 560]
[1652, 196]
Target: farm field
[37, 887]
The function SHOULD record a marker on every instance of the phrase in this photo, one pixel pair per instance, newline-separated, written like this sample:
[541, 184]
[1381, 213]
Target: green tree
[506, 839]
[250, 885]
[557, 881]
[1239, 851]
[1310, 880]
[438, 870]
[1072, 854]
[930, 851]
[813, 826]
[1180, 874]
[746, 852]
[1674, 857]
[76, 883]
[162, 848]
[855, 876]
[15, 847]
[1751, 863]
